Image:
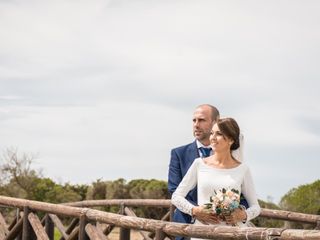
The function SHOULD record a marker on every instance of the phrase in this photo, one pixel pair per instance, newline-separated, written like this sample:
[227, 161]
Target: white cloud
[81, 80]
[111, 136]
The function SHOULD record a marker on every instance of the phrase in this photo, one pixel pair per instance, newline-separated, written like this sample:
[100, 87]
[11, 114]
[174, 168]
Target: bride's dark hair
[230, 128]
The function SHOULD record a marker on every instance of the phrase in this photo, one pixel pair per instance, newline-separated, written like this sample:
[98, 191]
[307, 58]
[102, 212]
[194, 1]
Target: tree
[117, 189]
[265, 222]
[17, 176]
[304, 199]
[21, 181]
[153, 189]
[97, 190]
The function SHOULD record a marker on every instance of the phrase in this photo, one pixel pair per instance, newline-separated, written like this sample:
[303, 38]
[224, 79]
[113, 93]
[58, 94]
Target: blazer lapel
[192, 153]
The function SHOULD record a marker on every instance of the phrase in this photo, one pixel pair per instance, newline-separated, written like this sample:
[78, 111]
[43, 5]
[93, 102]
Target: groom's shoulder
[185, 147]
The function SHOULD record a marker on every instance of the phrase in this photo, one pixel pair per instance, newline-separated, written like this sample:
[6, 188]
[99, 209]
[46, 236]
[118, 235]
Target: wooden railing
[87, 223]
[164, 203]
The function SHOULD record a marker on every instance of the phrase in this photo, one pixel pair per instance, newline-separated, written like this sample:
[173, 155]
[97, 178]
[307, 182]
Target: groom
[182, 157]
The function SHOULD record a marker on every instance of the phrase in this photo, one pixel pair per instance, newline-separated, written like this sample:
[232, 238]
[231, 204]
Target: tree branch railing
[165, 203]
[88, 227]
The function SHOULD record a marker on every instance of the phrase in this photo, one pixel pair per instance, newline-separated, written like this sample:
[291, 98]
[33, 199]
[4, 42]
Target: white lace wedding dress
[208, 179]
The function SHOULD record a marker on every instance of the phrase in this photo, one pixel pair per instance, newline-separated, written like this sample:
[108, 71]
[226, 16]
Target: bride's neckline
[220, 168]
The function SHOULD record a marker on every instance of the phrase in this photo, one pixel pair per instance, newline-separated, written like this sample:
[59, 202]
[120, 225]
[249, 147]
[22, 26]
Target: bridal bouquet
[224, 202]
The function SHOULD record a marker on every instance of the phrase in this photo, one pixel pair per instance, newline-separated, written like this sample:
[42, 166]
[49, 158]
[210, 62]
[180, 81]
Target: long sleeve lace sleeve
[188, 182]
[249, 193]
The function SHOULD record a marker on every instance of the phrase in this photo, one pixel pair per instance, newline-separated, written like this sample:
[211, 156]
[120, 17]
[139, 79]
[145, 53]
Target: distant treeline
[19, 179]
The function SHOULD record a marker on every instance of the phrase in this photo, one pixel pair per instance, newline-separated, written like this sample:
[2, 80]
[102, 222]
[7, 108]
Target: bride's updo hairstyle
[230, 128]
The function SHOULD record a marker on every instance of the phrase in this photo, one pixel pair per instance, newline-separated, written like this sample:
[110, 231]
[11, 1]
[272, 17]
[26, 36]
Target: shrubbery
[18, 179]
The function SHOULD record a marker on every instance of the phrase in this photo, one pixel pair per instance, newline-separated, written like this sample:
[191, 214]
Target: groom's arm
[174, 175]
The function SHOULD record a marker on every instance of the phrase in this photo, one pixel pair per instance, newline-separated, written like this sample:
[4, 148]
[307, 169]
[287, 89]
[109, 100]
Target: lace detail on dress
[253, 212]
[188, 182]
[182, 204]
[249, 192]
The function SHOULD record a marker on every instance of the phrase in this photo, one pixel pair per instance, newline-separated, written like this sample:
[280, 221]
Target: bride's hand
[204, 215]
[238, 215]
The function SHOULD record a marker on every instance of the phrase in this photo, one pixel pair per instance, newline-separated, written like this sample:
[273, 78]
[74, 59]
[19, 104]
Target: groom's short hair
[214, 111]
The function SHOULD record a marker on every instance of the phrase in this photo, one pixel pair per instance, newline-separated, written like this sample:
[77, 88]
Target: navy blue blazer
[181, 159]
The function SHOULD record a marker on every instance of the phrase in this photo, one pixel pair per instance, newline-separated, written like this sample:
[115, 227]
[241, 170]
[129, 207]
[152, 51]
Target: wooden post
[27, 231]
[3, 227]
[58, 224]
[172, 208]
[94, 232]
[19, 216]
[160, 235]
[82, 228]
[13, 223]
[49, 227]
[166, 217]
[124, 232]
[74, 234]
[108, 229]
[129, 212]
[37, 227]
[15, 231]
[70, 228]
[317, 226]
[72, 225]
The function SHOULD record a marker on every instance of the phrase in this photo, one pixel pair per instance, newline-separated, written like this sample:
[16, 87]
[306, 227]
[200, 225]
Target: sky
[105, 89]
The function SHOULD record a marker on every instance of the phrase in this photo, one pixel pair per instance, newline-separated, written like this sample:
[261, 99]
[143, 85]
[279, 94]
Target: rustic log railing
[164, 203]
[87, 223]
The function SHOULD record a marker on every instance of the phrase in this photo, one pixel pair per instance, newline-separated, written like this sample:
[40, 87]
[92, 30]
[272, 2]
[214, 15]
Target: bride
[216, 172]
